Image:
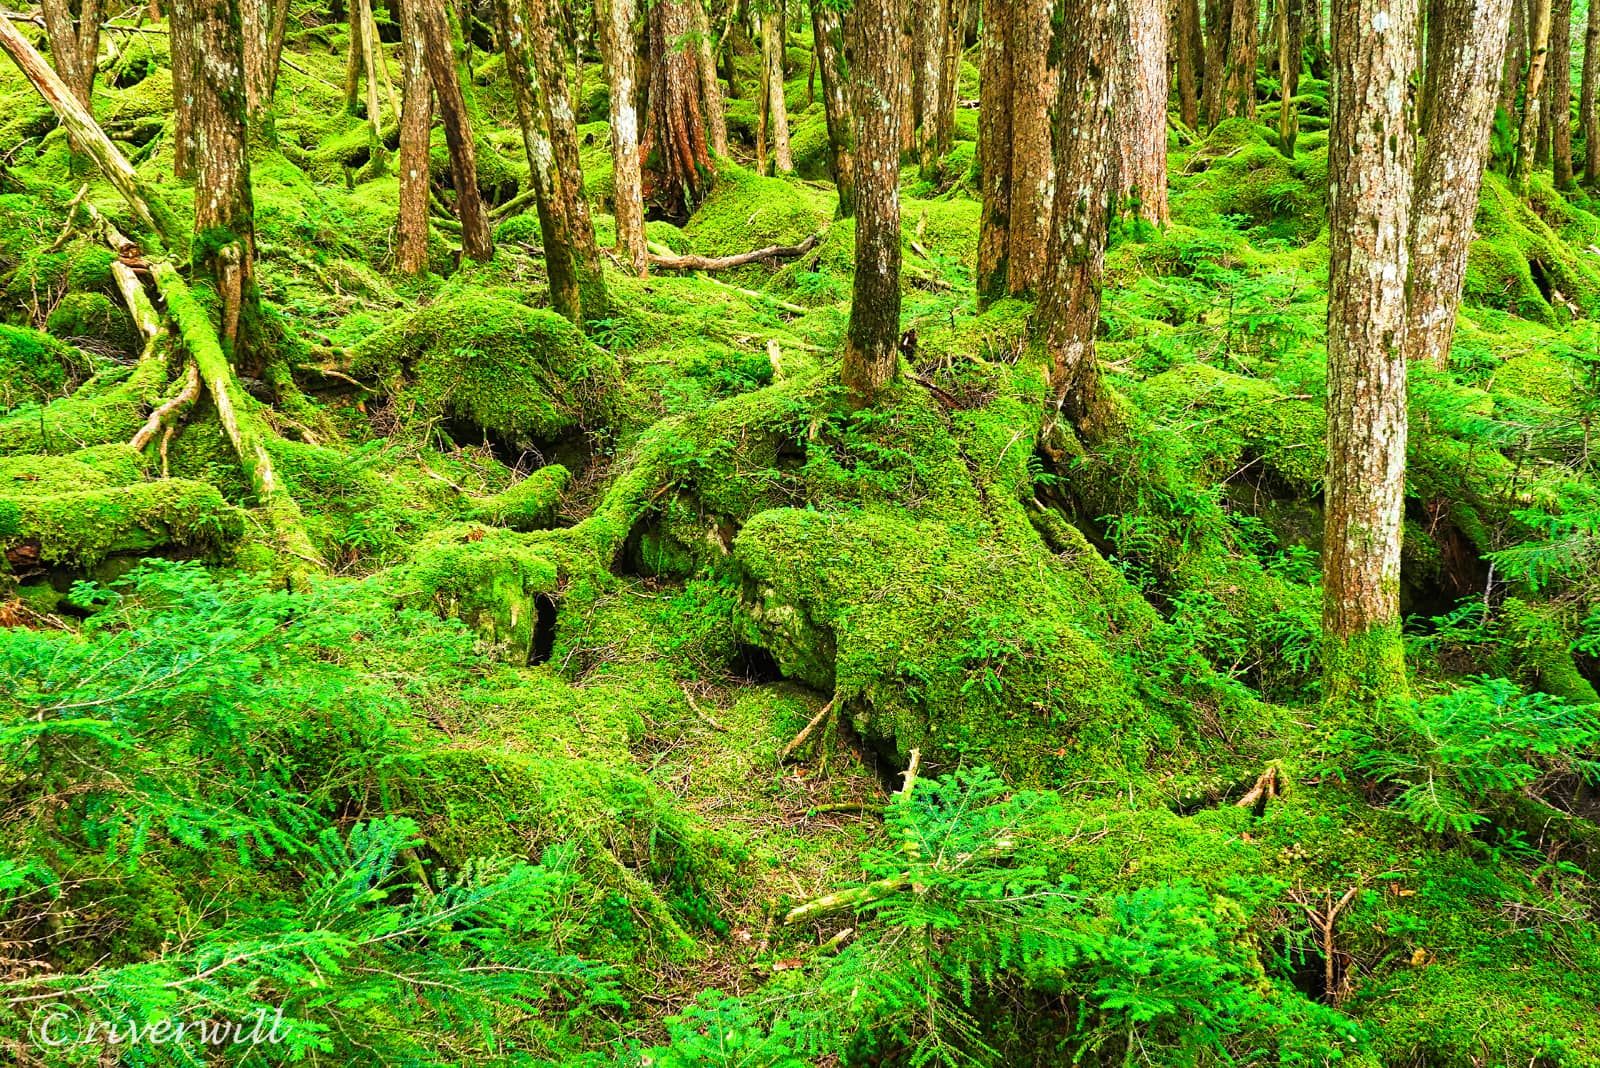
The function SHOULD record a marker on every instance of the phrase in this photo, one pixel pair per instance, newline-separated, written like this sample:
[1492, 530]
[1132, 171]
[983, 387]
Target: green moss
[35, 367]
[1540, 378]
[1363, 670]
[93, 319]
[528, 505]
[523, 374]
[746, 211]
[105, 409]
[84, 527]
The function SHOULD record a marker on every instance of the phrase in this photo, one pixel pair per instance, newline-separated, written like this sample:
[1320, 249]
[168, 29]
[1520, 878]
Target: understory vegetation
[661, 706]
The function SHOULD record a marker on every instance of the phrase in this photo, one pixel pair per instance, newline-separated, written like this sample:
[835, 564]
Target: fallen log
[675, 262]
[88, 137]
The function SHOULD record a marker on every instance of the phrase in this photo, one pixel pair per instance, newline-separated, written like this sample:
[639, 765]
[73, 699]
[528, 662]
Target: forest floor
[592, 586]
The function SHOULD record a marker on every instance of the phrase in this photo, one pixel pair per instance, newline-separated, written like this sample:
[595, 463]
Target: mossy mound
[1519, 262]
[1237, 171]
[35, 367]
[528, 505]
[746, 211]
[93, 321]
[524, 375]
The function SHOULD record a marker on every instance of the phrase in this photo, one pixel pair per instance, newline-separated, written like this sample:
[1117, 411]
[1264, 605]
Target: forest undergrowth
[654, 704]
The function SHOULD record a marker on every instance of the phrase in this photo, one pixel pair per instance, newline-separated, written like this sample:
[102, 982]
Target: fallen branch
[805, 733]
[847, 806]
[1267, 785]
[694, 706]
[675, 262]
[854, 898]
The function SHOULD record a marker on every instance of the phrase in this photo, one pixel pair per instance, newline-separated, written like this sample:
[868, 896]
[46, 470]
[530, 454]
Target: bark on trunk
[550, 71]
[1538, 55]
[224, 207]
[1139, 119]
[777, 113]
[1069, 301]
[1189, 47]
[1219, 15]
[627, 201]
[675, 140]
[1291, 47]
[710, 91]
[1017, 92]
[353, 59]
[91, 139]
[369, 59]
[878, 82]
[416, 118]
[828, 33]
[1466, 72]
[438, 55]
[74, 33]
[1317, 52]
[1370, 181]
[1238, 97]
[1588, 113]
[1561, 94]
[1516, 59]
[181, 13]
[931, 28]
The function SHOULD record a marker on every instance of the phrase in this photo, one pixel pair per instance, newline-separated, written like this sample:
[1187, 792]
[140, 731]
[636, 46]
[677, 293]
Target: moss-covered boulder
[495, 367]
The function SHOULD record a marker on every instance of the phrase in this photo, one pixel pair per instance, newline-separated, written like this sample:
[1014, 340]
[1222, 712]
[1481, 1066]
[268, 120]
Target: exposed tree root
[1268, 785]
[168, 414]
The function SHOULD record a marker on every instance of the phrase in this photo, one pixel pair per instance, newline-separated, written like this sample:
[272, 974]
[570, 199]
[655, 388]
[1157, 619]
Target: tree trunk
[675, 137]
[932, 23]
[1069, 300]
[1188, 46]
[1588, 112]
[1291, 46]
[1466, 69]
[550, 69]
[1317, 60]
[369, 59]
[710, 91]
[354, 56]
[944, 118]
[621, 60]
[1516, 59]
[1017, 91]
[1219, 15]
[1561, 94]
[439, 55]
[772, 49]
[74, 33]
[828, 32]
[416, 119]
[878, 83]
[1369, 180]
[181, 13]
[1139, 119]
[1238, 97]
[1538, 55]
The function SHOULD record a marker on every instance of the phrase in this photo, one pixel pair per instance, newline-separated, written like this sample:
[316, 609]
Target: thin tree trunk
[1538, 55]
[1139, 119]
[828, 32]
[1188, 45]
[1516, 59]
[1069, 301]
[1466, 64]
[416, 118]
[354, 56]
[74, 43]
[763, 99]
[1017, 91]
[1291, 46]
[676, 133]
[710, 91]
[570, 200]
[944, 118]
[255, 30]
[1238, 98]
[1561, 94]
[439, 55]
[276, 34]
[878, 83]
[1369, 181]
[1220, 14]
[369, 57]
[180, 13]
[772, 54]
[627, 201]
[932, 22]
[1317, 60]
[1588, 112]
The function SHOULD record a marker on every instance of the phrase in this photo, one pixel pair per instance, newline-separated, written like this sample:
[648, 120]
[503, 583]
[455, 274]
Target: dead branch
[171, 410]
[674, 262]
[805, 733]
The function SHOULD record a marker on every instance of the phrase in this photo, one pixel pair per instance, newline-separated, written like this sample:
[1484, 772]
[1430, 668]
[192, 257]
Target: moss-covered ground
[667, 542]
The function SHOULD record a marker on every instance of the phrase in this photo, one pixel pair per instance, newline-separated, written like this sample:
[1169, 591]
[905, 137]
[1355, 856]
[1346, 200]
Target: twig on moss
[806, 733]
